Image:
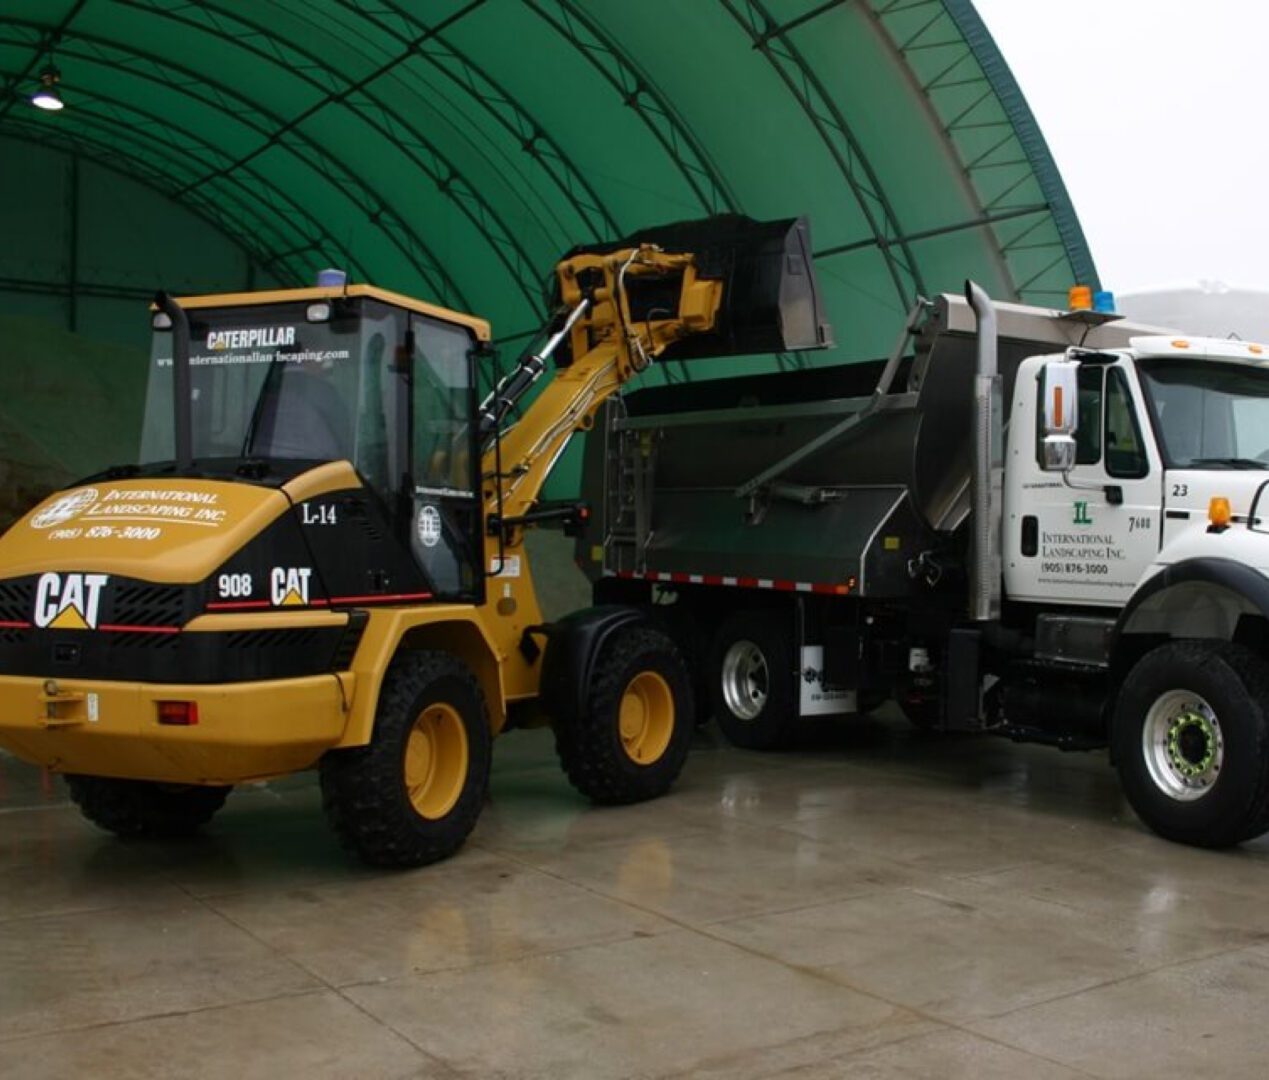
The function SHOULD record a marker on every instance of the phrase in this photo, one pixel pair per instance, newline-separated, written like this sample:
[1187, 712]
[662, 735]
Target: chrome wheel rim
[1183, 745]
[746, 680]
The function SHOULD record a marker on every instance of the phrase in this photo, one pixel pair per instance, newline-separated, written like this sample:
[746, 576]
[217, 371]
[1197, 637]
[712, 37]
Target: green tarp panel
[452, 149]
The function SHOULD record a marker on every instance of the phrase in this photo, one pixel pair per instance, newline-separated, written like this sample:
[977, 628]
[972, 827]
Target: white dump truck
[1049, 525]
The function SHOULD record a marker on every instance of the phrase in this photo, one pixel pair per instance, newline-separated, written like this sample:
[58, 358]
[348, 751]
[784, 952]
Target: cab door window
[1125, 450]
[446, 536]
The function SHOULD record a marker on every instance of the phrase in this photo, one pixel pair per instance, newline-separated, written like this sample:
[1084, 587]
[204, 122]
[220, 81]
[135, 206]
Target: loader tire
[413, 794]
[1191, 742]
[632, 737]
[143, 807]
[753, 683]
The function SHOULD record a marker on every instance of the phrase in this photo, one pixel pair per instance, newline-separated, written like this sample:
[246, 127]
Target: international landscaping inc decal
[127, 513]
[1079, 555]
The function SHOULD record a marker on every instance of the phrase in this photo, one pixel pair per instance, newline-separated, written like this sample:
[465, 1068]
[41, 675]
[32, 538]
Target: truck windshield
[1209, 414]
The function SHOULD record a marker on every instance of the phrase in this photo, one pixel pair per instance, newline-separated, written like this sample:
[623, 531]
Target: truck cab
[1160, 429]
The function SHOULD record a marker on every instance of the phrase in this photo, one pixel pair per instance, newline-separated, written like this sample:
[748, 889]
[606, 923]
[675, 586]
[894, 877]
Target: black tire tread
[362, 789]
[135, 808]
[1248, 815]
[592, 758]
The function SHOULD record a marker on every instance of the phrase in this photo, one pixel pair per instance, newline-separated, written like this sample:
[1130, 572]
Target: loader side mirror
[1059, 381]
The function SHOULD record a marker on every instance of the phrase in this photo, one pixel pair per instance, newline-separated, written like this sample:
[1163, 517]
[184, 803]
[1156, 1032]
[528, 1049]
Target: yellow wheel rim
[436, 761]
[646, 717]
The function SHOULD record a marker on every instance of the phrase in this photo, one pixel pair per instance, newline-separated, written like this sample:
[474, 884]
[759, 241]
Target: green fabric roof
[453, 149]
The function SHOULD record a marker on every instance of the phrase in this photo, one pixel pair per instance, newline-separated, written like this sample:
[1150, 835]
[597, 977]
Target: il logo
[68, 601]
[288, 585]
[1081, 514]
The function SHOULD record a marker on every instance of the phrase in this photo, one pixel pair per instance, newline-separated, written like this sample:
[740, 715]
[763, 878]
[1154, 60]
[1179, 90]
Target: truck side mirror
[1060, 382]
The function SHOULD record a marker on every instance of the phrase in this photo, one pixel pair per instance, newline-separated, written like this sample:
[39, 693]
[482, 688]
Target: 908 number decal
[234, 586]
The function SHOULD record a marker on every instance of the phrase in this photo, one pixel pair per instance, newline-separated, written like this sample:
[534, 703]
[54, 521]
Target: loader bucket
[771, 299]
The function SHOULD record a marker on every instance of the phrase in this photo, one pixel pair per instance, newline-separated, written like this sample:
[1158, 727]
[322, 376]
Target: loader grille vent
[16, 600]
[149, 605]
[288, 638]
[134, 640]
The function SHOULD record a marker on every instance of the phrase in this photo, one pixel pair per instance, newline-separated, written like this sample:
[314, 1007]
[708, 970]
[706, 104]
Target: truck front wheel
[143, 807]
[633, 734]
[753, 688]
[413, 794]
[1191, 742]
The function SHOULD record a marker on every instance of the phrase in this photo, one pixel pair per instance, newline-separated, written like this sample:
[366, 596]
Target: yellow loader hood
[173, 531]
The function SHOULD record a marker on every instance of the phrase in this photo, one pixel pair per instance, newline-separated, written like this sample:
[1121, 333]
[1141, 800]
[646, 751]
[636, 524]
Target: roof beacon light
[47, 97]
[331, 278]
[1104, 302]
[1219, 512]
[1080, 298]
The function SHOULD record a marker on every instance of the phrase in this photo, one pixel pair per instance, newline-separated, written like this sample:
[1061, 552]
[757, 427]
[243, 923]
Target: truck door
[445, 534]
[1088, 539]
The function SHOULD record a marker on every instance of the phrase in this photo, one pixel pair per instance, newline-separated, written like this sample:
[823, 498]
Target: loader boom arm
[609, 344]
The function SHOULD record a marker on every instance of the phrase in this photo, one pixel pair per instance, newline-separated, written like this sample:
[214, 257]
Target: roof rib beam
[449, 180]
[640, 93]
[501, 106]
[841, 143]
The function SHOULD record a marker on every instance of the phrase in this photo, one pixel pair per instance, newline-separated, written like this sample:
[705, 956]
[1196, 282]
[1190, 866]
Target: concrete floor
[879, 905]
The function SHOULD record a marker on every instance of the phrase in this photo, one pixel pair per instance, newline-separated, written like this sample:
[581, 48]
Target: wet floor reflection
[876, 896]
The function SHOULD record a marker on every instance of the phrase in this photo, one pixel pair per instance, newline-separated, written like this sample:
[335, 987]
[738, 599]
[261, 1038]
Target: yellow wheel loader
[320, 561]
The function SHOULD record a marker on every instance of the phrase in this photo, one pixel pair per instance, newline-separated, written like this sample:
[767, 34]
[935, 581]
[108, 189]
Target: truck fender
[572, 645]
[1194, 598]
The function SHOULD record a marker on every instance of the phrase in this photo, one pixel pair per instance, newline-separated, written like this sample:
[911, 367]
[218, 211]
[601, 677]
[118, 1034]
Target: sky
[1157, 112]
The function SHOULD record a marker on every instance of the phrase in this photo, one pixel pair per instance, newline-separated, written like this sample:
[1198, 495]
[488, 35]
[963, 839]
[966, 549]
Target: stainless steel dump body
[834, 479]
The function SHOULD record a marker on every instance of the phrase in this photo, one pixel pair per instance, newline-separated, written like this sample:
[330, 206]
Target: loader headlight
[318, 312]
[161, 320]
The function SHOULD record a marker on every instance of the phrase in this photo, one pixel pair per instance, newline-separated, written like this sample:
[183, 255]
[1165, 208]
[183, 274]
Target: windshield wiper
[1229, 462]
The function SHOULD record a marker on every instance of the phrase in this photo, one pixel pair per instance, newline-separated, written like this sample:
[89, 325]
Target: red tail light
[178, 713]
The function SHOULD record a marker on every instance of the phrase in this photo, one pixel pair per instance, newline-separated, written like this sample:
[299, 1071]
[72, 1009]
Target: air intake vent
[149, 605]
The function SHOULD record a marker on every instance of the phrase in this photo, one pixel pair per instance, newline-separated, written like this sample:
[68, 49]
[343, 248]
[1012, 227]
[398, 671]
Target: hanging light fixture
[47, 96]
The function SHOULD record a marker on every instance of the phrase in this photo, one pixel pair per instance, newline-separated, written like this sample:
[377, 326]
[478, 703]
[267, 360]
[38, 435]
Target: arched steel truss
[774, 42]
[958, 71]
[176, 78]
[100, 133]
[500, 105]
[934, 39]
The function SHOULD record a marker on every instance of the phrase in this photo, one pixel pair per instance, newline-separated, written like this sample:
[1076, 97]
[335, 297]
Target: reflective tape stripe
[776, 584]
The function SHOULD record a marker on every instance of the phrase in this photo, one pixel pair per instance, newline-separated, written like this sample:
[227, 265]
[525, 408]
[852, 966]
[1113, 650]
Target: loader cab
[283, 382]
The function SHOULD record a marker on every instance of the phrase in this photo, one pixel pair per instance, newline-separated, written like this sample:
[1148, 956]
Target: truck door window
[1125, 451]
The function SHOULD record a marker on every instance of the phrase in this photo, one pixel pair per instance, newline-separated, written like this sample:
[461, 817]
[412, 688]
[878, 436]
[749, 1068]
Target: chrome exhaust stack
[988, 469]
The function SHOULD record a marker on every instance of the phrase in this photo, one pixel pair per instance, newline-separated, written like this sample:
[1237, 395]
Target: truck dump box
[829, 479]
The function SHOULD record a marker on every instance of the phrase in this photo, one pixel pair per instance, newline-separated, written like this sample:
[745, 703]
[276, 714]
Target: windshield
[1209, 414]
[264, 382]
